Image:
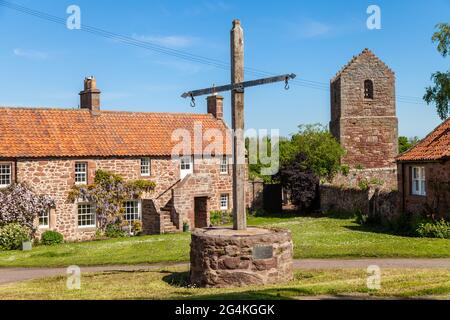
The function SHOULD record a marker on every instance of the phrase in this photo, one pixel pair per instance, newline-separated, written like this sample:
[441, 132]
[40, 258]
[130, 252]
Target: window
[5, 174]
[145, 167]
[224, 202]
[80, 173]
[418, 181]
[186, 163]
[132, 211]
[44, 219]
[224, 165]
[186, 167]
[86, 215]
[368, 89]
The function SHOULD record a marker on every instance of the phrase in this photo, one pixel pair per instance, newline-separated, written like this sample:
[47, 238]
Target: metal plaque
[262, 252]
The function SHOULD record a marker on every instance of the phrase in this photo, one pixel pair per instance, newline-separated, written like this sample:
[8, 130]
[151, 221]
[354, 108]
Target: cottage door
[201, 212]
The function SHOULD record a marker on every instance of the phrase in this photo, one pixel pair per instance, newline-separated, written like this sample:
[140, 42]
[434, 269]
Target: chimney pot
[90, 96]
[215, 105]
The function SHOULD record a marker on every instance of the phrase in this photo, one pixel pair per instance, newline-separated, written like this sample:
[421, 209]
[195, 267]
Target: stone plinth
[223, 257]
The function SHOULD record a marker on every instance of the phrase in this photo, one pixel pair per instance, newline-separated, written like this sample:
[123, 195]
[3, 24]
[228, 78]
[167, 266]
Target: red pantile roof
[435, 146]
[37, 132]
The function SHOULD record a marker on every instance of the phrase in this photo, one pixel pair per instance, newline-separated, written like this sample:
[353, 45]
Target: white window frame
[224, 165]
[46, 216]
[224, 201]
[93, 213]
[4, 175]
[79, 174]
[146, 168]
[186, 166]
[139, 213]
[418, 181]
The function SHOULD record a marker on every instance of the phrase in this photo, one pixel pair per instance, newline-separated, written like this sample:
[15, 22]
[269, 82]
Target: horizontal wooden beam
[238, 86]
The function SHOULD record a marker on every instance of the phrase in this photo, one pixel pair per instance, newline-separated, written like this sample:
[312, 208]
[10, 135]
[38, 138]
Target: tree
[255, 168]
[439, 94]
[322, 151]
[19, 204]
[300, 181]
[109, 192]
[404, 143]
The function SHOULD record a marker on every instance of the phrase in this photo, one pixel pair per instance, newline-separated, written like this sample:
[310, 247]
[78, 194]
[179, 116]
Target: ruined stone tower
[363, 115]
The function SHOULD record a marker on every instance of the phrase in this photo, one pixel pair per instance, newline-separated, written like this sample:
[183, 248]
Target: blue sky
[43, 63]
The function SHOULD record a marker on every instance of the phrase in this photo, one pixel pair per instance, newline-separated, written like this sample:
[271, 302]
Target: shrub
[218, 217]
[434, 229]
[137, 227]
[12, 235]
[50, 238]
[362, 218]
[109, 192]
[114, 230]
[19, 204]
[299, 179]
[322, 151]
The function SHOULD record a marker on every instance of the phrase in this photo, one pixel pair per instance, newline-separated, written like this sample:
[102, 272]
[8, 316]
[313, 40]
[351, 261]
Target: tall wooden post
[237, 105]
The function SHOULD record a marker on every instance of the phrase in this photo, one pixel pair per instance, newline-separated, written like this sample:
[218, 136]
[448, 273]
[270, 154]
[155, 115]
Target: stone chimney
[90, 96]
[215, 106]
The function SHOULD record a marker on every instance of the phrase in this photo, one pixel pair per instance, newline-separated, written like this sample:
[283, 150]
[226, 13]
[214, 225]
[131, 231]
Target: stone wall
[337, 199]
[437, 185]
[206, 181]
[254, 194]
[55, 177]
[227, 258]
[383, 178]
[379, 204]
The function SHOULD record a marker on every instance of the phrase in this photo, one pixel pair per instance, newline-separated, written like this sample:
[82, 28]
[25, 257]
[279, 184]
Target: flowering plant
[108, 193]
[19, 204]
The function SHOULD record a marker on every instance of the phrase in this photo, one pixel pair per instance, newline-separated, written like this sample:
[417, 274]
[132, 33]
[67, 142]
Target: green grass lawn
[170, 283]
[314, 237]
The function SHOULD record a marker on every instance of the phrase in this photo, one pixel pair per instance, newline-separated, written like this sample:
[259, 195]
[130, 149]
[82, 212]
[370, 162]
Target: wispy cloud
[208, 7]
[30, 54]
[309, 28]
[173, 41]
[185, 67]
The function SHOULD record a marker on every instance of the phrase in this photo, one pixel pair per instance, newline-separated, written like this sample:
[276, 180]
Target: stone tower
[363, 115]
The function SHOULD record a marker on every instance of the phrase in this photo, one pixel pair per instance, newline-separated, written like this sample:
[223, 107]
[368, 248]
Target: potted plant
[185, 226]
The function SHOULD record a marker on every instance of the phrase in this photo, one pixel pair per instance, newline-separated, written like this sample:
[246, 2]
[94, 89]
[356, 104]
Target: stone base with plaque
[223, 257]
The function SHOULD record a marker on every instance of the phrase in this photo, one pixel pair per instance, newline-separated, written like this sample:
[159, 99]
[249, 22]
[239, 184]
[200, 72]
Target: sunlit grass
[314, 237]
[171, 283]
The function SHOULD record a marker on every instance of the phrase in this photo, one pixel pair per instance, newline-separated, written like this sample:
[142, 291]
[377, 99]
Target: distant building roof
[435, 146]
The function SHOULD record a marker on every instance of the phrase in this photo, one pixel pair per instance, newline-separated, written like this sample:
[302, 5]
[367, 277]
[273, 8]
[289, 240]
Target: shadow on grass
[380, 230]
[177, 279]
[289, 214]
[181, 280]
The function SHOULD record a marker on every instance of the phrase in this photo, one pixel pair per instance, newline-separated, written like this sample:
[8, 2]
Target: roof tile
[435, 146]
[38, 132]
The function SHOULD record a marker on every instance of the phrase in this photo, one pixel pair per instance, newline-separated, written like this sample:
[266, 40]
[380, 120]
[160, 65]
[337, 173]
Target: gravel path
[9, 275]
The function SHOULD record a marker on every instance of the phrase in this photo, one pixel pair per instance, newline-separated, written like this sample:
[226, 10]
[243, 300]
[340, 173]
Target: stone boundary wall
[254, 199]
[383, 178]
[379, 204]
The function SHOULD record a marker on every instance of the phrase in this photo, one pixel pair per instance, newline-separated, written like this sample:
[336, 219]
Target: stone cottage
[54, 149]
[424, 174]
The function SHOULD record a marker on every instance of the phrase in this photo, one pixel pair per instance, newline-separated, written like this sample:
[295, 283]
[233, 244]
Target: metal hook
[286, 83]
[192, 100]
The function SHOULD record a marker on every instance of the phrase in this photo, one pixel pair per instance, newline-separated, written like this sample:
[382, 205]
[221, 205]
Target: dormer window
[368, 89]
